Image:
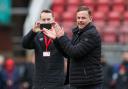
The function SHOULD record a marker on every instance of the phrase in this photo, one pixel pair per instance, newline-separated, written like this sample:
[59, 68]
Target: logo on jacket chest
[41, 39]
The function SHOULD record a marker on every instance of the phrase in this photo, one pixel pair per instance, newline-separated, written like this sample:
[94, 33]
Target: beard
[81, 25]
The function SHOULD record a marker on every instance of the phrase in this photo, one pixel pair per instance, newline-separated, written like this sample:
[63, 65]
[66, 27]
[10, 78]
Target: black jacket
[49, 71]
[85, 52]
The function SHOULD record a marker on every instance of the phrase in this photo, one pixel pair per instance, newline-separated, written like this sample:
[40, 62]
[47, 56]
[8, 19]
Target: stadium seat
[99, 20]
[120, 8]
[125, 15]
[100, 25]
[125, 23]
[109, 35]
[114, 23]
[125, 18]
[99, 2]
[114, 19]
[73, 2]
[67, 26]
[57, 17]
[89, 3]
[68, 20]
[98, 15]
[123, 35]
[118, 1]
[72, 8]
[103, 6]
[58, 8]
[68, 16]
[113, 15]
[58, 2]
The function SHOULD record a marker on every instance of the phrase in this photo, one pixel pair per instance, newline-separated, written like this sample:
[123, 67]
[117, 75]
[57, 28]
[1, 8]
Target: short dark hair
[47, 11]
[84, 8]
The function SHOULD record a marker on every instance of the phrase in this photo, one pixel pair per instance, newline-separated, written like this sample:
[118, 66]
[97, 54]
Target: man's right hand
[59, 31]
[36, 27]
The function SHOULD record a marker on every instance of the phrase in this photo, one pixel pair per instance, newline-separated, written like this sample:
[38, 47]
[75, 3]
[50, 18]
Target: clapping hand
[50, 33]
[55, 32]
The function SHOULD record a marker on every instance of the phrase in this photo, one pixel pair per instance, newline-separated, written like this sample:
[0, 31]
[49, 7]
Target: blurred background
[18, 16]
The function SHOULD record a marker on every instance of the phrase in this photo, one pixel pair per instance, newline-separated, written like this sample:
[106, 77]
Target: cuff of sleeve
[58, 39]
[62, 39]
[55, 40]
[33, 33]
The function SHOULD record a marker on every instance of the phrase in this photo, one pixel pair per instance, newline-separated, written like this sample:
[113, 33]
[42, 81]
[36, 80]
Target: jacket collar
[76, 30]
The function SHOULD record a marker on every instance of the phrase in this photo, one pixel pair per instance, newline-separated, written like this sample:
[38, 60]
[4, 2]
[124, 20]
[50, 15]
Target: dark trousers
[98, 86]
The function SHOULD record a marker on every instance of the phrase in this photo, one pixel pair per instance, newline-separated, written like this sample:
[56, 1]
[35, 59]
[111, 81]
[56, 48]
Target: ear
[53, 18]
[90, 18]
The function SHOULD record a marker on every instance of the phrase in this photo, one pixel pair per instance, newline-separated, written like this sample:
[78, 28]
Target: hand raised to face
[59, 30]
[36, 27]
[56, 31]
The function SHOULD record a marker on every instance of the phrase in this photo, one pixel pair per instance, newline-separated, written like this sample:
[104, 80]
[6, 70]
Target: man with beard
[84, 51]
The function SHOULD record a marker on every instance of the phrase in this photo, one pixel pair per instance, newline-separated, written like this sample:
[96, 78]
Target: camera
[47, 26]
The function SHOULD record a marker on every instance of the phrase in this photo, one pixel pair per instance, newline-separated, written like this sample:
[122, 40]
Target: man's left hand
[50, 33]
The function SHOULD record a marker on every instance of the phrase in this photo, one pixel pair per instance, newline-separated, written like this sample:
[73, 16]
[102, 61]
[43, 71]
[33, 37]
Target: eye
[78, 17]
[83, 18]
[48, 19]
[43, 19]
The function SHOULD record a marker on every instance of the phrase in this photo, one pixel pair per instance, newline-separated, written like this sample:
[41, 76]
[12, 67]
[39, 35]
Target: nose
[46, 21]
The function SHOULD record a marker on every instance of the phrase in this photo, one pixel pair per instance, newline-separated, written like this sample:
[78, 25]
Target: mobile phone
[47, 26]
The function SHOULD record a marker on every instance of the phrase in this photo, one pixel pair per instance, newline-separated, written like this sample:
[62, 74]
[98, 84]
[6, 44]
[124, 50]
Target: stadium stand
[109, 17]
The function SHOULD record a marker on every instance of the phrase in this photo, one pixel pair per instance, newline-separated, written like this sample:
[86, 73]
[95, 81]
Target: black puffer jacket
[84, 51]
[49, 71]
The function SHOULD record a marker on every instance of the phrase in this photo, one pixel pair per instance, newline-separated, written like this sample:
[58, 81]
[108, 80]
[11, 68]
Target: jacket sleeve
[88, 42]
[28, 40]
[58, 46]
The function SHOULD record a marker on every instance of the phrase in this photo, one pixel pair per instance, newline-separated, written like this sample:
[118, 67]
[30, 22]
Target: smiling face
[82, 19]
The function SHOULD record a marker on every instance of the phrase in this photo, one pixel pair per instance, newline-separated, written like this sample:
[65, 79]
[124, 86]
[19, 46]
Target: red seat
[113, 15]
[58, 2]
[73, 2]
[68, 16]
[58, 8]
[114, 23]
[100, 25]
[125, 23]
[114, 19]
[100, 2]
[120, 8]
[125, 18]
[98, 16]
[125, 15]
[57, 16]
[103, 6]
[109, 35]
[118, 1]
[123, 35]
[72, 8]
[67, 22]
[89, 3]
[99, 20]
[67, 26]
